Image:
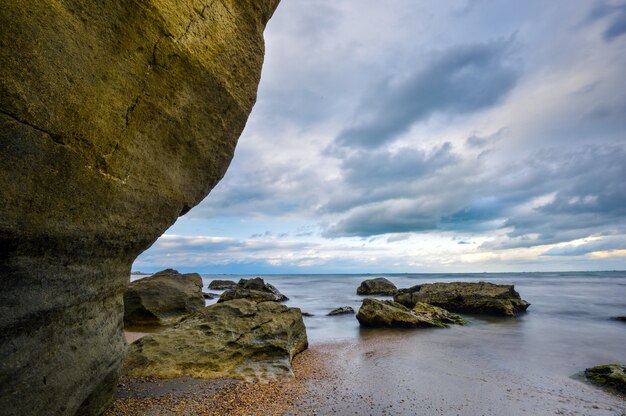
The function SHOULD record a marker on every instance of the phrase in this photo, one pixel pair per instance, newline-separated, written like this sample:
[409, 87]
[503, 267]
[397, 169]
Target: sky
[417, 136]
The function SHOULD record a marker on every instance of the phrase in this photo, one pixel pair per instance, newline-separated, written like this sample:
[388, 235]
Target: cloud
[616, 15]
[551, 195]
[609, 244]
[462, 79]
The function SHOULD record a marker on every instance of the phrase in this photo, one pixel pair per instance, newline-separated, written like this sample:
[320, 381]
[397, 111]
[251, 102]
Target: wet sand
[385, 373]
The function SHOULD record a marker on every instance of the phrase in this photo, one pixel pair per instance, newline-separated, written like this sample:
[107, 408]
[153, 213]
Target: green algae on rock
[163, 298]
[475, 298]
[387, 313]
[609, 375]
[116, 117]
[437, 313]
[238, 338]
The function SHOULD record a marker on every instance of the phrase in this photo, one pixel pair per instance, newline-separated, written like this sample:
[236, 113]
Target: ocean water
[567, 326]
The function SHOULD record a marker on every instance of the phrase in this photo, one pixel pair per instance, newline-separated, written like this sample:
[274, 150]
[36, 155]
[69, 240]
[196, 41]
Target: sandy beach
[385, 373]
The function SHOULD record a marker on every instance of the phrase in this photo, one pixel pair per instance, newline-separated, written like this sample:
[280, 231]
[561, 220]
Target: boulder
[341, 311]
[474, 298]
[253, 289]
[378, 286]
[387, 313]
[161, 299]
[438, 314]
[116, 118]
[209, 295]
[610, 375]
[222, 284]
[239, 338]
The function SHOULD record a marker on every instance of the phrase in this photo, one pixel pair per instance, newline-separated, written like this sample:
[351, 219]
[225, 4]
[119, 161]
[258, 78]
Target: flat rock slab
[163, 298]
[387, 313]
[238, 338]
[475, 298]
[222, 284]
[378, 286]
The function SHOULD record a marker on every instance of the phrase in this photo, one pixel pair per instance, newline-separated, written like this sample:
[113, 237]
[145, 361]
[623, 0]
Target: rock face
[474, 298]
[115, 119]
[238, 338]
[253, 289]
[610, 375]
[387, 313]
[162, 298]
[378, 286]
[341, 311]
[222, 284]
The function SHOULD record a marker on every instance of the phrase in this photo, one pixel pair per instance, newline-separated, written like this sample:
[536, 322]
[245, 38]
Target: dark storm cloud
[463, 79]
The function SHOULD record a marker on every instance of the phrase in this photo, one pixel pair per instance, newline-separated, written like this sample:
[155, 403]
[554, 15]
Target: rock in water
[610, 375]
[387, 313]
[222, 284]
[162, 298]
[378, 286]
[253, 289]
[239, 338]
[475, 298]
[438, 314]
[341, 311]
[116, 117]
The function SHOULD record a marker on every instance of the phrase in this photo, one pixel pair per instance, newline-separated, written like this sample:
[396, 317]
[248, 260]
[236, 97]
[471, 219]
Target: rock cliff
[116, 117]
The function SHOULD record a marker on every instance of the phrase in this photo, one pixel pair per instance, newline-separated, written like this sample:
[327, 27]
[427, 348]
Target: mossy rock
[609, 375]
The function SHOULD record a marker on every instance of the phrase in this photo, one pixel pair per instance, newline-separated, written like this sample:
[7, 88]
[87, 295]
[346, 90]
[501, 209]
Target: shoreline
[382, 374]
[222, 396]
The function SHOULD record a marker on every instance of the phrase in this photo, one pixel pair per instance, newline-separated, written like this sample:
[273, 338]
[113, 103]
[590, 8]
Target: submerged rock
[387, 313]
[222, 284]
[474, 298]
[116, 118]
[378, 286]
[253, 289]
[239, 338]
[163, 298]
[610, 375]
[619, 318]
[341, 311]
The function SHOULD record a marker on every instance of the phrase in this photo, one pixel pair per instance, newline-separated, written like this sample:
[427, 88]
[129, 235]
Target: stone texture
[162, 299]
[378, 286]
[116, 117]
[222, 284]
[387, 313]
[253, 289]
[438, 314]
[343, 310]
[610, 375]
[475, 298]
[238, 338]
